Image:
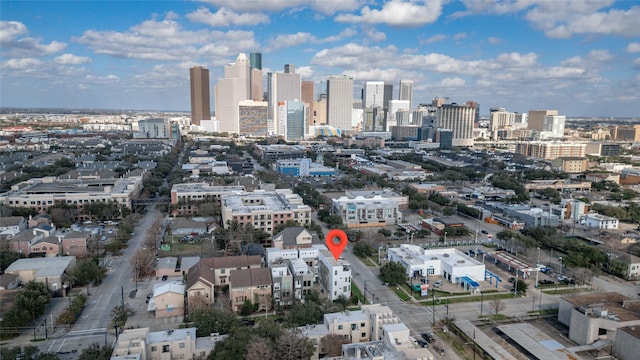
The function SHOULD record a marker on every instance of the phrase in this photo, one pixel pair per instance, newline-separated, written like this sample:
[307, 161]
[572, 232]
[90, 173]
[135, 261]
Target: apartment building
[334, 275]
[292, 280]
[550, 150]
[186, 197]
[264, 209]
[353, 326]
[571, 165]
[600, 221]
[362, 210]
[142, 344]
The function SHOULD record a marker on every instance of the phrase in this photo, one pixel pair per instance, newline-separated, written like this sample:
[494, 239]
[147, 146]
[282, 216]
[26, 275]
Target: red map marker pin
[336, 242]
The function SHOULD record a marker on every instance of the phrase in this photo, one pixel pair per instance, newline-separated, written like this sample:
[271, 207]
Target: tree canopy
[393, 273]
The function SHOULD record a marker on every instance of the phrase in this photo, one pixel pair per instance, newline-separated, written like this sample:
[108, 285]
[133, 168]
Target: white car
[437, 284]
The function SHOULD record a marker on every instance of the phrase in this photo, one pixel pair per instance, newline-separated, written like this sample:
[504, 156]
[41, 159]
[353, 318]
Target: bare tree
[291, 345]
[497, 305]
[198, 302]
[260, 349]
[331, 345]
[143, 262]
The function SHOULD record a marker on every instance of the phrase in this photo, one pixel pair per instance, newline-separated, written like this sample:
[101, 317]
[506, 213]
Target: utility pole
[433, 307]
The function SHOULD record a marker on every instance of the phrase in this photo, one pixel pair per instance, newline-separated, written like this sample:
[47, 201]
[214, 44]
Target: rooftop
[611, 305]
[166, 336]
[250, 277]
[44, 267]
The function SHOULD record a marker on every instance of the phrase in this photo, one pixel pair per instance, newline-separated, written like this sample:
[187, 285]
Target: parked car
[437, 284]
[512, 279]
[428, 337]
[164, 277]
[484, 232]
[423, 343]
[546, 282]
[480, 251]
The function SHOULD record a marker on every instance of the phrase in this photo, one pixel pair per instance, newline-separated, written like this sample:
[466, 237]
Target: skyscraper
[307, 98]
[388, 95]
[282, 87]
[232, 89]
[255, 70]
[200, 103]
[536, 118]
[293, 125]
[500, 119]
[459, 119]
[406, 92]
[255, 60]
[339, 101]
[373, 94]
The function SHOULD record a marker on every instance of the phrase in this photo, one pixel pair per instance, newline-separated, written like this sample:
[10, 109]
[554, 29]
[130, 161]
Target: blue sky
[579, 57]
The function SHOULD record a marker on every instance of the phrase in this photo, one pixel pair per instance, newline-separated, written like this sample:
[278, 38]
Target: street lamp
[561, 266]
[445, 237]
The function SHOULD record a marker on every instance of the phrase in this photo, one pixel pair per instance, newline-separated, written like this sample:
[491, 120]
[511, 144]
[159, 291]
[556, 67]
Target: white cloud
[70, 59]
[14, 45]
[306, 72]
[291, 40]
[9, 30]
[452, 82]
[373, 34]
[326, 7]
[166, 40]
[563, 19]
[494, 40]
[21, 64]
[226, 17]
[397, 13]
[109, 79]
[460, 36]
[633, 47]
[435, 38]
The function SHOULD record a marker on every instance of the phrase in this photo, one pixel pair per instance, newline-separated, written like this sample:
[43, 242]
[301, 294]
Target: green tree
[96, 352]
[209, 321]
[521, 287]
[393, 273]
[33, 299]
[119, 316]
[87, 271]
[362, 249]
[7, 257]
[247, 308]
[385, 232]
[46, 356]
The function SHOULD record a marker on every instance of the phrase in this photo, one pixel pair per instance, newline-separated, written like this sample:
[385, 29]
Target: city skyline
[581, 58]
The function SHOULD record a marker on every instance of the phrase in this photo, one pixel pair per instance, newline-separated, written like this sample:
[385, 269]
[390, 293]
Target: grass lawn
[367, 261]
[356, 292]
[565, 291]
[401, 294]
[464, 299]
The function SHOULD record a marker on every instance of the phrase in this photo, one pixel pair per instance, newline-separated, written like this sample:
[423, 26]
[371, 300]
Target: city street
[91, 326]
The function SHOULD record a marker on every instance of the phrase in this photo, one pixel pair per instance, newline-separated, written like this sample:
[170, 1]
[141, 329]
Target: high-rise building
[200, 103]
[388, 95]
[406, 92]
[500, 119]
[293, 125]
[307, 98]
[536, 118]
[459, 119]
[627, 133]
[255, 69]
[394, 107]
[552, 127]
[253, 118]
[339, 101]
[232, 89]
[289, 69]
[320, 110]
[373, 94]
[255, 60]
[282, 87]
[550, 150]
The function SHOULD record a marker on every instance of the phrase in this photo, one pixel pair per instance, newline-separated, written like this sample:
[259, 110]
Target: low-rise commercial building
[186, 197]
[599, 221]
[303, 168]
[366, 209]
[49, 271]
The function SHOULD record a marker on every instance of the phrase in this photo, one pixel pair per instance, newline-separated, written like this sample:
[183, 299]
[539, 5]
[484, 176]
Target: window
[165, 348]
[362, 325]
[154, 348]
[181, 345]
[339, 327]
[363, 335]
[353, 326]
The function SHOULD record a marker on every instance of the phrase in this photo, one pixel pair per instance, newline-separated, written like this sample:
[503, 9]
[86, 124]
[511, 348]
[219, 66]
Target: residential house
[292, 238]
[599, 221]
[250, 284]
[75, 243]
[200, 285]
[167, 266]
[354, 326]
[12, 224]
[9, 281]
[40, 219]
[334, 275]
[167, 300]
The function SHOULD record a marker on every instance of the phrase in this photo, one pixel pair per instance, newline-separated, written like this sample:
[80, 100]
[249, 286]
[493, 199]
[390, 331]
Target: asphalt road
[91, 326]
